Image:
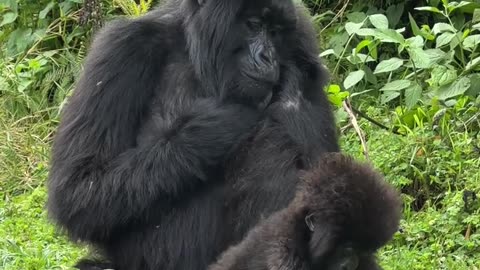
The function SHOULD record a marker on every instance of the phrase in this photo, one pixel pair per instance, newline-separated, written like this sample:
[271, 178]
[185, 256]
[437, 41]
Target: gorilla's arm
[300, 106]
[100, 179]
[304, 112]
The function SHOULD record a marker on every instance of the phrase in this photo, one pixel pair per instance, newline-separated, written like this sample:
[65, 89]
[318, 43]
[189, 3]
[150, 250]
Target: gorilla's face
[258, 57]
[239, 46]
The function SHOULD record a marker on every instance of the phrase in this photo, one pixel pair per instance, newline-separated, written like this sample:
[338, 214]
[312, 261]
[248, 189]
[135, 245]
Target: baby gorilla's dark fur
[342, 213]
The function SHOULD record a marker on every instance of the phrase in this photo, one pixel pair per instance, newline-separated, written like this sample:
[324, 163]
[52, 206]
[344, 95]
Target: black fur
[342, 213]
[138, 163]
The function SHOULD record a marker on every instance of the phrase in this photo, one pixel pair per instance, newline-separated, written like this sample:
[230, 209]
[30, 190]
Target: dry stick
[468, 232]
[353, 119]
[338, 15]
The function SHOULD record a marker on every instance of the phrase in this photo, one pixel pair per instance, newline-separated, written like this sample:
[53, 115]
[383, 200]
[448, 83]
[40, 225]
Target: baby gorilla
[342, 213]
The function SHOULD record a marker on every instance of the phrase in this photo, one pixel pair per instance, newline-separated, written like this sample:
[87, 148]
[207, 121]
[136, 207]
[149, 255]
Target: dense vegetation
[405, 80]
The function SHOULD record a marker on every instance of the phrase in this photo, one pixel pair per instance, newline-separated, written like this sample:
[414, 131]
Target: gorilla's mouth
[262, 77]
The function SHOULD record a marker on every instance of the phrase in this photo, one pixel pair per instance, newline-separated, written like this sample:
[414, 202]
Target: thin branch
[353, 119]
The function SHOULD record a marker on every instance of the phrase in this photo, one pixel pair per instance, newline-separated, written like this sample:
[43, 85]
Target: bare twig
[353, 119]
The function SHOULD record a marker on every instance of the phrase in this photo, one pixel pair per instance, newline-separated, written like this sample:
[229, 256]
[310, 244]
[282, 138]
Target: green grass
[27, 238]
[432, 171]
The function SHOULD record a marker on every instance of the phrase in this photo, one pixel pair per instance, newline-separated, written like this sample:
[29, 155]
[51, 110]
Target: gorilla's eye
[254, 24]
[275, 30]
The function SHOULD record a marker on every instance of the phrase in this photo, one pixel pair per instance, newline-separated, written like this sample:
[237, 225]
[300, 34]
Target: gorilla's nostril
[264, 57]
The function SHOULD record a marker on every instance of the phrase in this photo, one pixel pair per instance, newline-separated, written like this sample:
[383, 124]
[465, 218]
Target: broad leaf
[396, 85]
[9, 18]
[389, 96]
[471, 41]
[443, 27]
[366, 32]
[472, 64]
[389, 35]
[46, 10]
[412, 95]
[353, 78]
[476, 16]
[455, 5]
[444, 39]
[426, 58]
[380, 21]
[388, 65]
[327, 52]
[458, 87]
[441, 75]
[352, 28]
[394, 13]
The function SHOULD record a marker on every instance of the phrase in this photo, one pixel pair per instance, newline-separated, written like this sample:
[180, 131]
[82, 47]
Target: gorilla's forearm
[303, 110]
[100, 178]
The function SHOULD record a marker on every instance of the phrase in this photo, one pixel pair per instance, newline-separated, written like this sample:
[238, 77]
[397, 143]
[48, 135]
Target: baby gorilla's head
[350, 211]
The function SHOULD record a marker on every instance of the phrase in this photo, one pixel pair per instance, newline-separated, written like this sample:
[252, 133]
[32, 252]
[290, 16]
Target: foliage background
[412, 66]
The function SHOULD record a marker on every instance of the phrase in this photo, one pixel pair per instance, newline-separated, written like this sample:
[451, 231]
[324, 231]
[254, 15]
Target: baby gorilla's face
[329, 253]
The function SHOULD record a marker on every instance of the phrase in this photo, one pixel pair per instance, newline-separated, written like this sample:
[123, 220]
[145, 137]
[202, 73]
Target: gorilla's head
[240, 45]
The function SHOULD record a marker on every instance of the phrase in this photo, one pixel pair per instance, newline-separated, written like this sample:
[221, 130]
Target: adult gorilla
[139, 157]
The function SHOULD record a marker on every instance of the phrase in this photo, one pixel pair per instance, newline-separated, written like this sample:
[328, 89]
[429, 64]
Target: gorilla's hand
[215, 128]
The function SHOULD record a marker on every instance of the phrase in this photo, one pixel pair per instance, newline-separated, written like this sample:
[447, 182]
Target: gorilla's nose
[264, 56]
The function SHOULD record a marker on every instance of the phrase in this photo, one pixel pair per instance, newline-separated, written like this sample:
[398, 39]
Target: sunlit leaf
[353, 78]
[389, 96]
[388, 65]
[412, 95]
[396, 85]
[458, 87]
[380, 21]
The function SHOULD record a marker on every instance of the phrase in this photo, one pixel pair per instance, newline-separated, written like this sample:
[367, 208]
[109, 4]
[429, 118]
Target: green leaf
[412, 95]
[472, 64]
[455, 5]
[426, 58]
[476, 15]
[9, 18]
[380, 21]
[389, 35]
[359, 58]
[458, 87]
[388, 65]
[415, 29]
[43, 14]
[369, 76]
[396, 85]
[471, 41]
[389, 96]
[334, 89]
[443, 27]
[352, 28]
[476, 26]
[431, 9]
[327, 52]
[444, 39]
[356, 17]
[394, 13]
[366, 32]
[362, 45]
[441, 75]
[353, 78]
